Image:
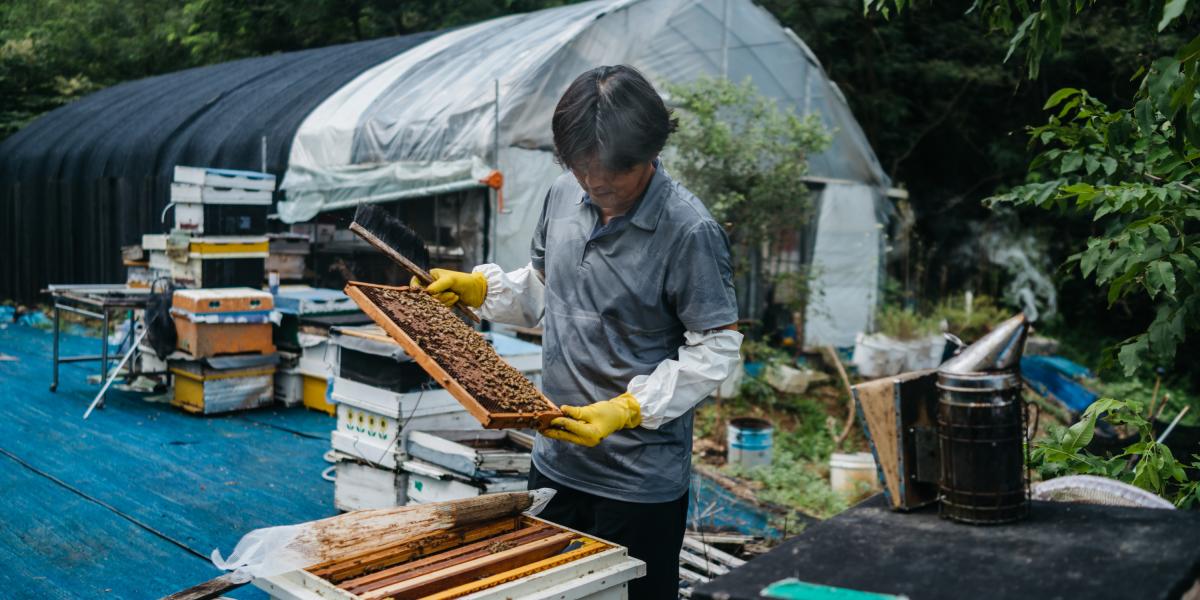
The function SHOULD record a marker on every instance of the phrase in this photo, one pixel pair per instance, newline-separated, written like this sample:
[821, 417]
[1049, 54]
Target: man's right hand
[451, 286]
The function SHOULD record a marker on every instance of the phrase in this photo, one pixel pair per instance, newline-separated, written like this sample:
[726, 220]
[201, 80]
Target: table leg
[54, 383]
[103, 353]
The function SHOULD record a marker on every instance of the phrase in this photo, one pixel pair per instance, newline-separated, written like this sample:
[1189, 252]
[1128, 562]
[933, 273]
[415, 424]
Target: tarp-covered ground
[129, 503]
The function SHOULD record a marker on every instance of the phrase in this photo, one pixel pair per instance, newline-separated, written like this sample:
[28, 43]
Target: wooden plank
[875, 400]
[709, 567]
[588, 548]
[447, 559]
[481, 567]
[419, 546]
[711, 553]
[485, 417]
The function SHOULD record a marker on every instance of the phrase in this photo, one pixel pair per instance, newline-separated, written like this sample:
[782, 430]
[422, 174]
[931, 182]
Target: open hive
[460, 561]
[456, 356]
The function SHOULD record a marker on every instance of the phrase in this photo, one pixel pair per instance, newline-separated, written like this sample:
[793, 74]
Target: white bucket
[750, 442]
[847, 470]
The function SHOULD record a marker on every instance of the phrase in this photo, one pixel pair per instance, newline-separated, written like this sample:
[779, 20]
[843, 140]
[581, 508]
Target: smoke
[1023, 259]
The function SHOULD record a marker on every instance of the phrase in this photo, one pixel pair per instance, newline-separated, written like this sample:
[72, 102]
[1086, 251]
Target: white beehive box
[359, 486]
[430, 483]
[225, 178]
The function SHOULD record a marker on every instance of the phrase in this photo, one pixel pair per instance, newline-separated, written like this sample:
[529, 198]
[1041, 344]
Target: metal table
[95, 301]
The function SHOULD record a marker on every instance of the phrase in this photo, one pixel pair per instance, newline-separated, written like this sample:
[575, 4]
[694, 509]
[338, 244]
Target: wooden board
[490, 420]
[897, 411]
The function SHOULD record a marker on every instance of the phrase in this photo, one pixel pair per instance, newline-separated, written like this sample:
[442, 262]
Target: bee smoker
[981, 430]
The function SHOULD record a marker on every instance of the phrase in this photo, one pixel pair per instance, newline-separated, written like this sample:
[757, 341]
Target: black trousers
[651, 532]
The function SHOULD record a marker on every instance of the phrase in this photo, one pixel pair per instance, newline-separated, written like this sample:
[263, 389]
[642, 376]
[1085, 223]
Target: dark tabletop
[1061, 551]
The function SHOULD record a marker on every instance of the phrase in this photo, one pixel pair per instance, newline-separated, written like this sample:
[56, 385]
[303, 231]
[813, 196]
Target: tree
[1135, 171]
[746, 159]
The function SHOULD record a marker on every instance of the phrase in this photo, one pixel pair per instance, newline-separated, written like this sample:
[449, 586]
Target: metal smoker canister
[981, 430]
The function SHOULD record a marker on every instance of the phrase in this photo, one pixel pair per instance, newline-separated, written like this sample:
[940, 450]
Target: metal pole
[98, 401]
[103, 356]
[264, 154]
[725, 39]
[57, 329]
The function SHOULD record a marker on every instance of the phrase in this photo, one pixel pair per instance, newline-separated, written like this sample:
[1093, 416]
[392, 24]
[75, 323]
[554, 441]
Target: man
[632, 280]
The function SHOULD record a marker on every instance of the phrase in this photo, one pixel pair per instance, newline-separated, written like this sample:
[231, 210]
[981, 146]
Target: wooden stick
[213, 588]
[481, 567]
[588, 548]
[832, 356]
[421, 274]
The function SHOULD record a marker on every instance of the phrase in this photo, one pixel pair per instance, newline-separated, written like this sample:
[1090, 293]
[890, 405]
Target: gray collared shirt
[617, 303]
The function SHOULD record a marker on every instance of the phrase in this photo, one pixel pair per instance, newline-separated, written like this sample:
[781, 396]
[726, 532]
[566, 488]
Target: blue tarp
[1055, 377]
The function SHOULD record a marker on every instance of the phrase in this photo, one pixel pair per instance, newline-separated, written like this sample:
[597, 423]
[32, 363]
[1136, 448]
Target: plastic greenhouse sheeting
[845, 266]
[399, 118]
[430, 119]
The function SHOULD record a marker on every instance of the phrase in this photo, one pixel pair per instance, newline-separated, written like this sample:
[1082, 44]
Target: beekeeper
[631, 279]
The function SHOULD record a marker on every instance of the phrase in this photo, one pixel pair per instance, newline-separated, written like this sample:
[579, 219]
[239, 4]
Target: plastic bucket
[847, 470]
[750, 442]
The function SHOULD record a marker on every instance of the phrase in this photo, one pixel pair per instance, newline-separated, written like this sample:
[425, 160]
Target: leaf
[1171, 11]
[1130, 355]
[1109, 164]
[1071, 162]
[1160, 275]
[1058, 97]
[1160, 232]
[1144, 111]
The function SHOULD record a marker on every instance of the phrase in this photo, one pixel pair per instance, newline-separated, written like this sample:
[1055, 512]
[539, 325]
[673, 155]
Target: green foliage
[798, 476]
[744, 156]
[1154, 468]
[1134, 170]
[903, 323]
[1123, 169]
[970, 325]
[1140, 390]
[53, 51]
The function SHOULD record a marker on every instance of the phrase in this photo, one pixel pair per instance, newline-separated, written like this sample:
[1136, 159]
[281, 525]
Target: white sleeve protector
[516, 298]
[705, 361]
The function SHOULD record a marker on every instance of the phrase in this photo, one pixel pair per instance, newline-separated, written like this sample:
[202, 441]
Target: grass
[798, 476]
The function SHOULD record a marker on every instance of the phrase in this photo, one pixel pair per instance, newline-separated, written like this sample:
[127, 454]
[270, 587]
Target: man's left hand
[587, 425]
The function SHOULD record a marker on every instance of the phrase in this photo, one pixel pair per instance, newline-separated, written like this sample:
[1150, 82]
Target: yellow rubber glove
[451, 286]
[587, 425]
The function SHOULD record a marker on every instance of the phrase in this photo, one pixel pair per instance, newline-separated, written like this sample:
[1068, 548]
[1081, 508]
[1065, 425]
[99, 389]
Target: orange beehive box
[204, 340]
[215, 322]
[223, 300]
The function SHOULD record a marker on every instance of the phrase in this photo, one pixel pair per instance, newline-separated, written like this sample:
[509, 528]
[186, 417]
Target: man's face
[612, 190]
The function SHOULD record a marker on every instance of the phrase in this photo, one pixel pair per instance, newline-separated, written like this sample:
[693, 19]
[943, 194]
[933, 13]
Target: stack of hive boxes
[307, 314]
[219, 238]
[230, 358]
[382, 396]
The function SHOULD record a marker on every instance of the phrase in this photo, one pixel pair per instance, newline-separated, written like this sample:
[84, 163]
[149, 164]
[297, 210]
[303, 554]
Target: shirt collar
[645, 213]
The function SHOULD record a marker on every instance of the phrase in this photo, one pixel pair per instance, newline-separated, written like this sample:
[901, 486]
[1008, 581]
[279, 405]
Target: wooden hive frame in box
[900, 414]
[453, 563]
[489, 419]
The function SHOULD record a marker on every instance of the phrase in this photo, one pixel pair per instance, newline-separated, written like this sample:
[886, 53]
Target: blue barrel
[750, 442]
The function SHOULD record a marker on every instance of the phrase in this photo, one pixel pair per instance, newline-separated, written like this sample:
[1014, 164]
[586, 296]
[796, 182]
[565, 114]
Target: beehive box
[224, 385]
[222, 321]
[473, 453]
[456, 356]
[362, 486]
[429, 483]
[512, 557]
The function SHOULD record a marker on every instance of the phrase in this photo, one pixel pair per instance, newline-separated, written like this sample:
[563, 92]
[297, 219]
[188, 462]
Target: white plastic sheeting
[426, 120]
[845, 266]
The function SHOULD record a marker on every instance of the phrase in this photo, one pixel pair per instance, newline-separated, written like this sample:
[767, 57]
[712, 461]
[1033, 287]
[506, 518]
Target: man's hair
[611, 113]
